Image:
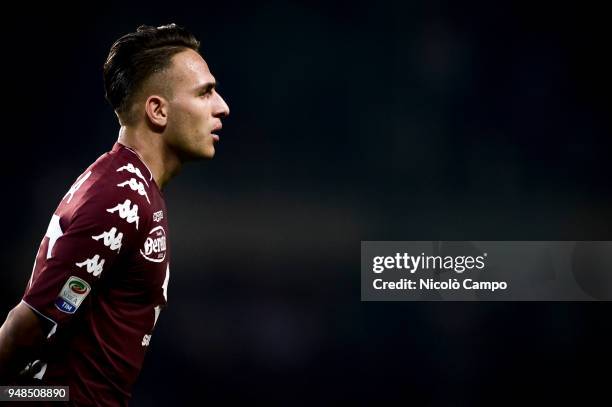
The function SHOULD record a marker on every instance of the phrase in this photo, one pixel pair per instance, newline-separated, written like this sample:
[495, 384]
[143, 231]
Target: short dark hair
[136, 56]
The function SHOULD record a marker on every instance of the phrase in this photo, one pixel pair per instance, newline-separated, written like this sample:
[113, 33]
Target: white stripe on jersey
[76, 186]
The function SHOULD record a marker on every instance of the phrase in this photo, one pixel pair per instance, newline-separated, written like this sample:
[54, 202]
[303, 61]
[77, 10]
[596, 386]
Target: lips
[216, 128]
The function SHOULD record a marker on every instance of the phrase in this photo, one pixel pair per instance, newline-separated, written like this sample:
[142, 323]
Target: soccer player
[100, 278]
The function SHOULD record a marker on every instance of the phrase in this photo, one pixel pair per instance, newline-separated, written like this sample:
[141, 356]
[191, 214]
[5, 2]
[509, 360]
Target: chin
[192, 154]
[208, 153]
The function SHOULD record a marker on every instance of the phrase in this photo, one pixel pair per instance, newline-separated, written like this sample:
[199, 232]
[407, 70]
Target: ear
[156, 108]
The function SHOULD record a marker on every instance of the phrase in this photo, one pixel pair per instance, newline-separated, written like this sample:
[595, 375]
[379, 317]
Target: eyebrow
[207, 87]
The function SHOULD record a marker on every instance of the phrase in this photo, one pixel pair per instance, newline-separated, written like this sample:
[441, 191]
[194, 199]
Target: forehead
[189, 70]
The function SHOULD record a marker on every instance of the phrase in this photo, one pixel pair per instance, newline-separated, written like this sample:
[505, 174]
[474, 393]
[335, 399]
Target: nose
[222, 109]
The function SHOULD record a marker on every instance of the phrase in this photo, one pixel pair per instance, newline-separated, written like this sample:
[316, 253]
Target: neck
[153, 151]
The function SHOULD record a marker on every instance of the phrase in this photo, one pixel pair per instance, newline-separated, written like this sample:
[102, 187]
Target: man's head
[156, 77]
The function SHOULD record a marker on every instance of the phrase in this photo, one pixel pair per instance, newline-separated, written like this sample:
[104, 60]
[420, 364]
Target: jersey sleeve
[83, 248]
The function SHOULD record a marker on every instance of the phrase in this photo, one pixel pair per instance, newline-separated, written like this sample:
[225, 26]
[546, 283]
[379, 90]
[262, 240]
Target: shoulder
[117, 185]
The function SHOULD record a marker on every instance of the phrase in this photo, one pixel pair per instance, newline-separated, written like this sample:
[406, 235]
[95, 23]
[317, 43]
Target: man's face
[195, 108]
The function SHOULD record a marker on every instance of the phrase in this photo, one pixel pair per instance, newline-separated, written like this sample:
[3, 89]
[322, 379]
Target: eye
[207, 92]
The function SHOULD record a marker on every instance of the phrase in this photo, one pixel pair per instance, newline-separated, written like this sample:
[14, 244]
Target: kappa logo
[127, 213]
[94, 265]
[111, 239]
[72, 295]
[135, 186]
[130, 168]
[155, 246]
[157, 216]
[76, 186]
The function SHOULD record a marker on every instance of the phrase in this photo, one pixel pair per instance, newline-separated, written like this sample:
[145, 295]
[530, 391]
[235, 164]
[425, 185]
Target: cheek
[188, 121]
[180, 120]
[193, 116]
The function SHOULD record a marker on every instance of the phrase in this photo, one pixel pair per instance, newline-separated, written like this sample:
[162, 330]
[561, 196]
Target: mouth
[216, 128]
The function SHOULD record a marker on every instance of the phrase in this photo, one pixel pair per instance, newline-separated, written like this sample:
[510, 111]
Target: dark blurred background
[350, 121]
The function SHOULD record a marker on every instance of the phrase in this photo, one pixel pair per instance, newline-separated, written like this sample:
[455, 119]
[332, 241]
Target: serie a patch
[72, 295]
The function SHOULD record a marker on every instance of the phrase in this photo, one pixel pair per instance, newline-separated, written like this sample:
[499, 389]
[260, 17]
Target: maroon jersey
[100, 279]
